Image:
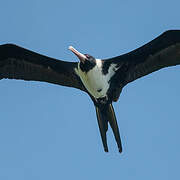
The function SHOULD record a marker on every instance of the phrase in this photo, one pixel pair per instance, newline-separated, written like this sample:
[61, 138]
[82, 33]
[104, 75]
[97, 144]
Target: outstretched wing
[19, 63]
[161, 52]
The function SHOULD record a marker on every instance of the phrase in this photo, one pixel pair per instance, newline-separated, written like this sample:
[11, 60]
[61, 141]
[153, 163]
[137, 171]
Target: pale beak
[81, 56]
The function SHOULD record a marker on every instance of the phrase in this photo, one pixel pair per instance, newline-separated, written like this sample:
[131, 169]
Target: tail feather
[103, 127]
[105, 113]
[114, 126]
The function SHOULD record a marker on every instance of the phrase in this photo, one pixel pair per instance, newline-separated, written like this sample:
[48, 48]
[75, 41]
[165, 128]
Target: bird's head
[87, 61]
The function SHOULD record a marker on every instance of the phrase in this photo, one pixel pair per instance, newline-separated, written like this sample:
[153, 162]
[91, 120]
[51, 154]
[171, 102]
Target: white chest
[95, 81]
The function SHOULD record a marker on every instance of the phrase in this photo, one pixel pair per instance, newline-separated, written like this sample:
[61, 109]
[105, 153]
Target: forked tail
[105, 113]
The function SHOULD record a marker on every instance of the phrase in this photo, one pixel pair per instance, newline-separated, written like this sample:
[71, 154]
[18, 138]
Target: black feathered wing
[161, 52]
[19, 63]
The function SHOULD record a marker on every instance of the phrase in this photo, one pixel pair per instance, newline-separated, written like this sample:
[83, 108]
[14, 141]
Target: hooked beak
[81, 56]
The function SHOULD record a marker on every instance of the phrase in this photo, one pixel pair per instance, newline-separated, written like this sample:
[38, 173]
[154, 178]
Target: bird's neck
[88, 65]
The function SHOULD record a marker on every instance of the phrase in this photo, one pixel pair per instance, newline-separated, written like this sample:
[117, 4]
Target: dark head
[87, 62]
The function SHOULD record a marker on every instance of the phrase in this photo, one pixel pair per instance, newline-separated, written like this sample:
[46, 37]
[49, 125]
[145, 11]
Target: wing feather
[161, 52]
[19, 63]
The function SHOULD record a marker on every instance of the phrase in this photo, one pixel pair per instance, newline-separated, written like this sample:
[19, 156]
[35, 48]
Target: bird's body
[96, 82]
[102, 79]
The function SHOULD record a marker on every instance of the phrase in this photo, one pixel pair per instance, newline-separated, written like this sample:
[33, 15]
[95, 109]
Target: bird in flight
[102, 79]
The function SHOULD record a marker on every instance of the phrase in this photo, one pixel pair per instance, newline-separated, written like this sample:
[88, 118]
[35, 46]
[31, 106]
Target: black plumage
[164, 51]
[19, 63]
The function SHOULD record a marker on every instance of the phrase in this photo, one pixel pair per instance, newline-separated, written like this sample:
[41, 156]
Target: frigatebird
[102, 79]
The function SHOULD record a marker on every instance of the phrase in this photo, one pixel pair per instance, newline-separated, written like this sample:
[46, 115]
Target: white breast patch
[95, 81]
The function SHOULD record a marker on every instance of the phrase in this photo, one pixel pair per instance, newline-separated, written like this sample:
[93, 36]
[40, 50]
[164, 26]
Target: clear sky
[51, 132]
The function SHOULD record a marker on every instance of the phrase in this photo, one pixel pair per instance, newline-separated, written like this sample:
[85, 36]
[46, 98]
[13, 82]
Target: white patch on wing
[95, 80]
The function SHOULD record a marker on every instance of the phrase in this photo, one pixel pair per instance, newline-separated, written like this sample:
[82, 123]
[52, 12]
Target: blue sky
[51, 132]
